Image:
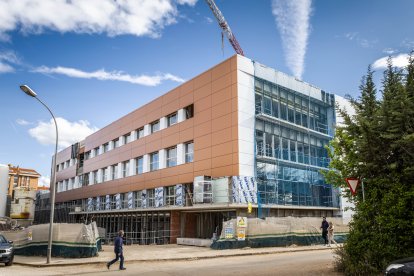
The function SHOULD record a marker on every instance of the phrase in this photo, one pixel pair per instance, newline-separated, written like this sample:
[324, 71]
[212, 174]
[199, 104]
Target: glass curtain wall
[289, 158]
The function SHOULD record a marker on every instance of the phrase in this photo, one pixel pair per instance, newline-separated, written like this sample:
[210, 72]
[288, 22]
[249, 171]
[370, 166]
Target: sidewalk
[154, 253]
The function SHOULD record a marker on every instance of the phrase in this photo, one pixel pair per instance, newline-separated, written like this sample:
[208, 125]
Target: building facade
[180, 165]
[23, 184]
[22, 178]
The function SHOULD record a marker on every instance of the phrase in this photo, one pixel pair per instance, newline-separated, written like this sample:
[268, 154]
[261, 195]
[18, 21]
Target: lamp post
[26, 89]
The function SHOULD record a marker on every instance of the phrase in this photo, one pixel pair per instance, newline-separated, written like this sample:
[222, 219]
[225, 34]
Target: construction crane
[225, 27]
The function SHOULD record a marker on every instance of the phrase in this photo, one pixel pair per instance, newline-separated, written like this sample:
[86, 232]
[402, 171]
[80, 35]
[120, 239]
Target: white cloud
[363, 42]
[133, 17]
[188, 2]
[113, 75]
[351, 35]
[345, 105]
[292, 20]
[7, 59]
[23, 122]
[5, 68]
[69, 132]
[389, 51]
[399, 61]
[209, 20]
[44, 181]
[408, 43]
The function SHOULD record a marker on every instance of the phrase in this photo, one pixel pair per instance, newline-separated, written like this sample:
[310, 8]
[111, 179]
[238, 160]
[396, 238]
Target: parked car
[401, 267]
[6, 251]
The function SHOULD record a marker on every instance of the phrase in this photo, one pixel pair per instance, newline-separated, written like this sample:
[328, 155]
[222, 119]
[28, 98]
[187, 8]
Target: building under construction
[240, 134]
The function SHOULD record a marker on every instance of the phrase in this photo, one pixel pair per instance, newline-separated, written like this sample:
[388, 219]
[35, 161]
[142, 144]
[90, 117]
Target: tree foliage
[376, 145]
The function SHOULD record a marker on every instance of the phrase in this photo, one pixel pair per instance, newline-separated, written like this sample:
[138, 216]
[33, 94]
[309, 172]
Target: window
[172, 119]
[258, 85]
[140, 133]
[87, 155]
[81, 182]
[105, 147]
[151, 197]
[154, 158]
[267, 106]
[169, 195]
[155, 126]
[104, 174]
[189, 152]
[86, 179]
[127, 138]
[266, 88]
[189, 111]
[172, 157]
[96, 151]
[67, 163]
[139, 165]
[116, 142]
[94, 177]
[258, 103]
[291, 115]
[138, 199]
[114, 171]
[125, 168]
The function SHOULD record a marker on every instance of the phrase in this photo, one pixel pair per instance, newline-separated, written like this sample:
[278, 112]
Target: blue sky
[95, 61]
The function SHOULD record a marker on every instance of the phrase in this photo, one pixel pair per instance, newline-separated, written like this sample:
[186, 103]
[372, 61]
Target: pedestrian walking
[331, 234]
[119, 254]
[324, 227]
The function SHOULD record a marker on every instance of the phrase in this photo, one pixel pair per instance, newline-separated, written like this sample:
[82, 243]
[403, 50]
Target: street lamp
[26, 89]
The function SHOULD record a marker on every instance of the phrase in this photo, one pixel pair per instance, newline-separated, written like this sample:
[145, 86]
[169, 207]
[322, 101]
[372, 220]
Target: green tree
[376, 145]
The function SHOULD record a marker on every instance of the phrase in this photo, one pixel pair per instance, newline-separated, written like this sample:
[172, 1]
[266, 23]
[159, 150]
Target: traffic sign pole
[363, 191]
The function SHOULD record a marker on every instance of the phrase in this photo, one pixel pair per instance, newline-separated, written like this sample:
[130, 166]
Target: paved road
[295, 263]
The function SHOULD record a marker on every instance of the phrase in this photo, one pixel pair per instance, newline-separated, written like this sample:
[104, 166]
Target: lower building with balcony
[240, 134]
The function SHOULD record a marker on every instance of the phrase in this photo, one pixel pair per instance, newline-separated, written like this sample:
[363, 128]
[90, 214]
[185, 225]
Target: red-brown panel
[202, 142]
[222, 171]
[220, 70]
[203, 104]
[221, 136]
[222, 149]
[202, 79]
[222, 83]
[202, 92]
[202, 129]
[221, 109]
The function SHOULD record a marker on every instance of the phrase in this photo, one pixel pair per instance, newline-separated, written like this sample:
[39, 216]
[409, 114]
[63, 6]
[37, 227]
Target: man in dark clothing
[119, 254]
[324, 227]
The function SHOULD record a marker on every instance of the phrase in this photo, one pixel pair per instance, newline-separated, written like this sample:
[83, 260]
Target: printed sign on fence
[228, 233]
[228, 230]
[241, 234]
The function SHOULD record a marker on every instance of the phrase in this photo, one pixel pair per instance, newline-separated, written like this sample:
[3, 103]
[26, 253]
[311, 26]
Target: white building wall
[162, 159]
[246, 116]
[4, 187]
[180, 154]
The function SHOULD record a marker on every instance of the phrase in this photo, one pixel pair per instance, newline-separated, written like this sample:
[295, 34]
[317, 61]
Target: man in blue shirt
[119, 254]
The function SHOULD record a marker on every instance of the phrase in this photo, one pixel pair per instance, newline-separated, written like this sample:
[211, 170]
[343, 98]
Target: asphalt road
[295, 263]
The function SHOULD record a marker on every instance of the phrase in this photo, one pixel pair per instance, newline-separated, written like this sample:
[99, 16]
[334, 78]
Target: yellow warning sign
[241, 222]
